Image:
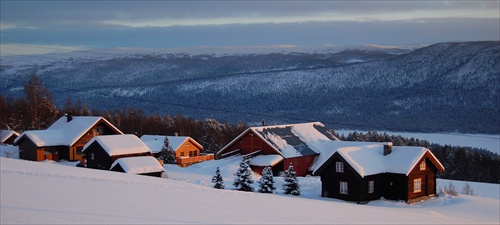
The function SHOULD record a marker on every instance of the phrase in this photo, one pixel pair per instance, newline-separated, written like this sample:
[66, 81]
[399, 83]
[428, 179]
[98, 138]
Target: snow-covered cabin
[140, 165]
[364, 171]
[187, 150]
[64, 139]
[8, 136]
[278, 146]
[102, 151]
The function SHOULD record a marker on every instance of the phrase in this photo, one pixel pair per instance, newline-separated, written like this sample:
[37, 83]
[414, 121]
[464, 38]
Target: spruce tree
[291, 185]
[266, 182]
[217, 179]
[243, 180]
[167, 153]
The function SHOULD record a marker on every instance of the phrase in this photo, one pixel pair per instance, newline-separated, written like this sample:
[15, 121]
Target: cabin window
[91, 156]
[182, 153]
[417, 185]
[339, 167]
[422, 165]
[371, 186]
[343, 188]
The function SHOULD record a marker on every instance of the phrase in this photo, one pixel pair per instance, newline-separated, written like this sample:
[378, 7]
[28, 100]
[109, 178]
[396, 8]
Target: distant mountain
[439, 88]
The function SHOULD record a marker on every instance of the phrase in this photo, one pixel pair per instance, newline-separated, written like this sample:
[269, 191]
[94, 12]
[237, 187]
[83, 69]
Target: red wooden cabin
[294, 143]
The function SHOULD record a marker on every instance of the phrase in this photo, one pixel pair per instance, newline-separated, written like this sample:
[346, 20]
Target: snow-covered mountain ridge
[442, 87]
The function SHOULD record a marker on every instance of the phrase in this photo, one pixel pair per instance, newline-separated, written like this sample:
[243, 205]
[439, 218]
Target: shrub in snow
[243, 180]
[217, 179]
[266, 182]
[467, 189]
[167, 154]
[450, 189]
[291, 185]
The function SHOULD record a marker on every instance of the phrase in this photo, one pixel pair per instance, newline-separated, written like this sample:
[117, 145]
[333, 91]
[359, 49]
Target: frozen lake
[486, 141]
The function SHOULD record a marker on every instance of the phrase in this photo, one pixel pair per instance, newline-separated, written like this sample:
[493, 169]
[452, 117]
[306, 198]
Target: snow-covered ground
[490, 142]
[60, 193]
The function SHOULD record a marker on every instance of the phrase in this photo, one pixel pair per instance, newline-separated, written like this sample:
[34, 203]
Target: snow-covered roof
[139, 164]
[155, 142]
[367, 158]
[265, 160]
[293, 140]
[119, 144]
[6, 134]
[63, 132]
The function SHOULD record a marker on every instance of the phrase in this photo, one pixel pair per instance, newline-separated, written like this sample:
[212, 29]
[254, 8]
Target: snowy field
[60, 193]
[490, 142]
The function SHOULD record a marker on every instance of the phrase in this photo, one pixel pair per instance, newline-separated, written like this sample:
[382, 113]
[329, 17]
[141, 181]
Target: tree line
[36, 111]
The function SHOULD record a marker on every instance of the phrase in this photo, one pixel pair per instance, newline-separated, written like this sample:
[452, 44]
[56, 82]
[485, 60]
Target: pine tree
[266, 182]
[217, 179]
[291, 185]
[243, 179]
[167, 153]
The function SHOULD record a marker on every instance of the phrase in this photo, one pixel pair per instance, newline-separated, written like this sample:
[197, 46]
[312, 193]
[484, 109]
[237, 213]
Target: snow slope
[48, 193]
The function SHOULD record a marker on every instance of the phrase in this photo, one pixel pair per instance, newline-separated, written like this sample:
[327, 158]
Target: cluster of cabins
[351, 171]
[98, 144]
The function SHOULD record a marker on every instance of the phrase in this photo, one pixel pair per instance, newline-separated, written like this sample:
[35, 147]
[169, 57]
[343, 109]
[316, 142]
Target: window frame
[339, 167]
[371, 186]
[344, 188]
[417, 185]
[423, 165]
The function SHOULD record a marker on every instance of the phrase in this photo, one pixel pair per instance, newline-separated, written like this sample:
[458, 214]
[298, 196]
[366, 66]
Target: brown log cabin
[64, 139]
[364, 171]
[296, 144]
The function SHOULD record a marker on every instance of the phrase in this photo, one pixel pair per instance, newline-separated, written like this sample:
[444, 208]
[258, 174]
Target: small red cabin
[294, 144]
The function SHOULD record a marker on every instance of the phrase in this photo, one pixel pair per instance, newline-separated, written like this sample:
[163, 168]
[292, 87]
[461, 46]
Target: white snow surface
[265, 160]
[139, 164]
[55, 193]
[119, 144]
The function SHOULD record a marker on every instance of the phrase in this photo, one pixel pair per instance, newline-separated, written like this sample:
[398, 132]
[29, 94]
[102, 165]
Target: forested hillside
[440, 88]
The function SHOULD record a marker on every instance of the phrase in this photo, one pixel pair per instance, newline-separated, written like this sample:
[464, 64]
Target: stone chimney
[69, 117]
[387, 148]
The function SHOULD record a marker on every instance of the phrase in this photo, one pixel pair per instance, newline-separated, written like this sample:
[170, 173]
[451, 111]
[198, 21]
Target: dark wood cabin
[102, 151]
[139, 165]
[387, 178]
[64, 139]
[7, 137]
[293, 142]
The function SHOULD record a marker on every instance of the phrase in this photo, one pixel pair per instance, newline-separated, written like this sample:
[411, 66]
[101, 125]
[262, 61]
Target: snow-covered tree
[291, 185]
[243, 180]
[266, 182]
[167, 153]
[217, 179]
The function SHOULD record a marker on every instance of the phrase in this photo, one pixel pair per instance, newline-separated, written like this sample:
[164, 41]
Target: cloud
[182, 13]
[166, 24]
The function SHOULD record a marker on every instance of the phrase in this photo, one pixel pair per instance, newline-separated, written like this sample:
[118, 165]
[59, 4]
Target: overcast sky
[176, 24]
